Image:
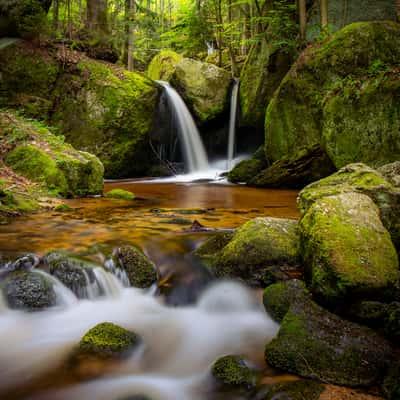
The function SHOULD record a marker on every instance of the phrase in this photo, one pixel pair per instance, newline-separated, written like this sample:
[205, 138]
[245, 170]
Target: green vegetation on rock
[162, 66]
[210, 248]
[107, 340]
[245, 171]
[120, 194]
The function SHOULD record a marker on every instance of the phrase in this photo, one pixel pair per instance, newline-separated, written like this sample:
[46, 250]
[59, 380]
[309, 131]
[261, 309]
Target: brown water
[159, 210]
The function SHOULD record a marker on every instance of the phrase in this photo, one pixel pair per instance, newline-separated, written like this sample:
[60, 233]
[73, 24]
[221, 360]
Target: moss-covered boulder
[32, 151]
[391, 172]
[258, 250]
[297, 390]
[98, 107]
[278, 297]
[296, 171]
[162, 66]
[141, 272]
[233, 371]
[30, 291]
[107, 340]
[120, 194]
[361, 179]
[346, 93]
[245, 171]
[204, 87]
[316, 344]
[347, 251]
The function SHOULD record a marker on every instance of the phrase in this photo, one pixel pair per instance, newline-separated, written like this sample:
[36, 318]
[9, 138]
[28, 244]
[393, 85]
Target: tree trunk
[302, 19]
[56, 10]
[131, 33]
[97, 15]
[324, 13]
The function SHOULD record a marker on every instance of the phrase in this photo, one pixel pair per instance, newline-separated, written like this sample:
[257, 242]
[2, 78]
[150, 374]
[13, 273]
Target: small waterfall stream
[232, 124]
[194, 153]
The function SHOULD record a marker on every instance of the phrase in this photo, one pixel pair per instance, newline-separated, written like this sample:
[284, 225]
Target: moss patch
[120, 194]
[162, 66]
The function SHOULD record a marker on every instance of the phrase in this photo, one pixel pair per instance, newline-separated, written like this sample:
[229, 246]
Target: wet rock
[278, 297]
[391, 384]
[391, 172]
[120, 194]
[245, 171]
[233, 371]
[141, 272]
[316, 344]
[347, 251]
[296, 171]
[209, 249]
[28, 291]
[296, 390]
[391, 323]
[107, 340]
[259, 251]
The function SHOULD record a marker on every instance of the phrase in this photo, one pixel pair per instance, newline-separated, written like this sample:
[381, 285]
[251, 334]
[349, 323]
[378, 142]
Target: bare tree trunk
[131, 33]
[324, 13]
[69, 23]
[56, 10]
[96, 15]
[302, 19]
[219, 21]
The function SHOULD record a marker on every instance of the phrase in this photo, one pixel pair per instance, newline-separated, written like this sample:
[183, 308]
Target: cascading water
[232, 123]
[194, 153]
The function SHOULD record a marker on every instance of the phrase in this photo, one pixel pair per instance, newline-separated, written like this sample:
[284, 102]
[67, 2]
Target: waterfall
[232, 123]
[194, 154]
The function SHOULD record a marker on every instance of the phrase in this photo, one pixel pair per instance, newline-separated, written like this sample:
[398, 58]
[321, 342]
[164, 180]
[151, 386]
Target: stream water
[182, 335]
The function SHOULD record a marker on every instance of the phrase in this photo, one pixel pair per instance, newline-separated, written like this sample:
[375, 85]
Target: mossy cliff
[32, 151]
[345, 91]
[97, 107]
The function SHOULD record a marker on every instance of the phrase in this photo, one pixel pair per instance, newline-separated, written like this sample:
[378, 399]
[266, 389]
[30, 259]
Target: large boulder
[314, 343]
[361, 179]
[260, 251]
[204, 87]
[347, 251]
[30, 291]
[32, 151]
[162, 66]
[98, 107]
[345, 91]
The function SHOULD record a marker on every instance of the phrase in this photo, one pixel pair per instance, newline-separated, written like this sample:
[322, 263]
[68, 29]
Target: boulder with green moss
[391, 172]
[30, 291]
[141, 272]
[359, 178]
[347, 251]
[260, 251]
[233, 372]
[296, 171]
[210, 248]
[316, 344]
[98, 107]
[297, 390]
[120, 194]
[345, 91]
[162, 66]
[245, 171]
[204, 87]
[32, 151]
[107, 340]
[278, 297]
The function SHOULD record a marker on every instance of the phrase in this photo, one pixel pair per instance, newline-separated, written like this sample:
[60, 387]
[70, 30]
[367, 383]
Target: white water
[232, 124]
[194, 153]
[180, 343]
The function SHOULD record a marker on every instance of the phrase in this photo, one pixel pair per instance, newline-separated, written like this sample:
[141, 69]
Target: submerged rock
[233, 371]
[204, 87]
[296, 390]
[107, 340]
[259, 250]
[120, 194]
[347, 251]
[316, 344]
[141, 272]
[28, 291]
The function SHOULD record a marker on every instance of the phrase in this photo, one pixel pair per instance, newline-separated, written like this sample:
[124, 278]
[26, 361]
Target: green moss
[107, 340]
[208, 251]
[120, 194]
[63, 208]
[162, 66]
[232, 371]
[245, 170]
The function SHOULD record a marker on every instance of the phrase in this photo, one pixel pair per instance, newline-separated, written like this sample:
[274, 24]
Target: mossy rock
[257, 250]
[391, 172]
[232, 371]
[361, 179]
[162, 66]
[204, 87]
[63, 208]
[392, 322]
[28, 291]
[245, 171]
[120, 194]
[278, 297]
[296, 390]
[297, 171]
[141, 272]
[107, 340]
[316, 344]
[391, 384]
[346, 93]
[347, 251]
[35, 153]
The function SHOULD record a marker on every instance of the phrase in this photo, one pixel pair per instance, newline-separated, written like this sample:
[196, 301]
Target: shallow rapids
[179, 344]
